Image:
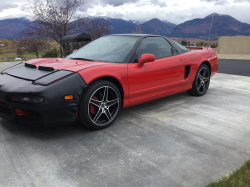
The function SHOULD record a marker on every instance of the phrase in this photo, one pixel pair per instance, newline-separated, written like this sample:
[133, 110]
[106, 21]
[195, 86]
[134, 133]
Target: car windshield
[106, 49]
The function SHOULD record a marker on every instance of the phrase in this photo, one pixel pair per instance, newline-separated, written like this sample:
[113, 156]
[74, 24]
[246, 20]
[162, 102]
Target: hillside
[158, 27]
[223, 25]
[10, 28]
[119, 26]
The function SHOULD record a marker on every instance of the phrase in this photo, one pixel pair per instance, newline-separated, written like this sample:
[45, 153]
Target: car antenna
[211, 26]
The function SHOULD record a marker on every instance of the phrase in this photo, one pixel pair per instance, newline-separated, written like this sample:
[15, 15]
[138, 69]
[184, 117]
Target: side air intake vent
[187, 71]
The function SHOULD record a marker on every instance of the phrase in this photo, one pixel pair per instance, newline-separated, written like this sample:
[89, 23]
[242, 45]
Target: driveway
[175, 141]
[5, 65]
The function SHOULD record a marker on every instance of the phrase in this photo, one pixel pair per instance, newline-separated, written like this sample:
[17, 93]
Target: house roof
[140, 35]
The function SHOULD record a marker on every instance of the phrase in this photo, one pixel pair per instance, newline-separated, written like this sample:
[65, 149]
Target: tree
[214, 45]
[138, 30]
[200, 44]
[56, 18]
[5, 42]
[32, 42]
[34, 45]
[97, 27]
[184, 42]
[19, 48]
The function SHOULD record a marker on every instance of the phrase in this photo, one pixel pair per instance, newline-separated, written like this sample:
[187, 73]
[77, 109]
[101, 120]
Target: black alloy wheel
[201, 81]
[100, 105]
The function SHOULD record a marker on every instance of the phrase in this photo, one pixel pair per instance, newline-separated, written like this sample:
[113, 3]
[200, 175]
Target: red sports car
[92, 84]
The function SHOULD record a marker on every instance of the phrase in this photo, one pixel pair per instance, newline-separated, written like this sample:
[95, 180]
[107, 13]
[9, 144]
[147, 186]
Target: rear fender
[205, 55]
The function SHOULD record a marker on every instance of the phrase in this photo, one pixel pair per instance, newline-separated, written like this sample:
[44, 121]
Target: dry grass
[26, 56]
[29, 55]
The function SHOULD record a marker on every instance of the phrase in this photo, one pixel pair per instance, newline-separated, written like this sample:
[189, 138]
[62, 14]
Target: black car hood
[39, 75]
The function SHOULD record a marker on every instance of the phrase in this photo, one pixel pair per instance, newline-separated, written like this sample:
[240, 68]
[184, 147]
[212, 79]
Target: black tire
[201, 81]
[96, 111]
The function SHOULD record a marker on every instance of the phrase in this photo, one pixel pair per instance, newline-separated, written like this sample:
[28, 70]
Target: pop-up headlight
[53, 77]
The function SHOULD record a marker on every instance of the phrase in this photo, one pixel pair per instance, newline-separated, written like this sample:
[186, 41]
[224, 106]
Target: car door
[157, 78]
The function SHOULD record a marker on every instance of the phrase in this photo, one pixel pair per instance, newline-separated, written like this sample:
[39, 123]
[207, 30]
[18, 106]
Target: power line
[211, 25]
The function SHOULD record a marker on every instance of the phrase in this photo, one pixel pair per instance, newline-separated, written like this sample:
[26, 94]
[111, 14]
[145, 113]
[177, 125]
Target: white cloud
[7, 5]
[143, 10]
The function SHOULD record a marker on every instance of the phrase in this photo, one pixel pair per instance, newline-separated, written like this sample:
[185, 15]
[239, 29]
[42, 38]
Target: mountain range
[223, 25]
[10, 28]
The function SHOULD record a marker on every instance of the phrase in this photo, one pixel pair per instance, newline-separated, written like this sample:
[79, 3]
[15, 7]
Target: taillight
[27, 99]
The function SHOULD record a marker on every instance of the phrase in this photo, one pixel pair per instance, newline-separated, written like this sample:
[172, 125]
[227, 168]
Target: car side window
[157, 46]
[184, 49]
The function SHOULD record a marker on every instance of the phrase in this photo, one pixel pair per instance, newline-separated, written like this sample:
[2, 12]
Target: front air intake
[4, 108]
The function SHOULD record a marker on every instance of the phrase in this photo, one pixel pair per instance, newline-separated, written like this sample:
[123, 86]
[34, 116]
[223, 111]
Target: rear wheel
[201, 81]
[100, 105]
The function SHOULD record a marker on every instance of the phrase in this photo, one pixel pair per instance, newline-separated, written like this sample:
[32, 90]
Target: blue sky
[175, 11]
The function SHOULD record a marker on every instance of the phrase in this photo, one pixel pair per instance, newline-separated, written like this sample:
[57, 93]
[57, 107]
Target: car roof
[179, 49]
[140, 35]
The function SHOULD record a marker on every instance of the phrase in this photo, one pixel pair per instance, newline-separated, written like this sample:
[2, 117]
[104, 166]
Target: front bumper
[55, 110]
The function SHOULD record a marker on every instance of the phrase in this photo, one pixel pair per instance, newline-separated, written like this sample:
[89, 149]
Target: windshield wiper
[82, 59]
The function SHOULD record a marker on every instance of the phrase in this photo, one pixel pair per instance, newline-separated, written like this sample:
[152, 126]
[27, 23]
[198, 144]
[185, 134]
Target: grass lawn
[27, 55]
[239, 178]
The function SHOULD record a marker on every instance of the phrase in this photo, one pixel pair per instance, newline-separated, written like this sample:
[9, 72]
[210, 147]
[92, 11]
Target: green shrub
[69, 52]
[214, 45]
[51, 53]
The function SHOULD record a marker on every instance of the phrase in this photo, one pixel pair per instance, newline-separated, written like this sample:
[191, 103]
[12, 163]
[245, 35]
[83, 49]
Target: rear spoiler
[196, 48]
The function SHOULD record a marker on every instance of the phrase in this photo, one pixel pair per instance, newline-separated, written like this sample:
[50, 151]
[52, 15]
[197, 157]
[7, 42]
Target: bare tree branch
[138, 30]
[96, 27]
[56, 18]
[32, 42]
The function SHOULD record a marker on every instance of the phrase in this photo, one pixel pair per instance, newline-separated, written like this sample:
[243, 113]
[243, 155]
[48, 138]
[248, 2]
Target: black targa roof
[79, 37]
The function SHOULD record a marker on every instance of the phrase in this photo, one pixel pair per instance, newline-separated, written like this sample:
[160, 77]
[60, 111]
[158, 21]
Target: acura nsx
[94, 83]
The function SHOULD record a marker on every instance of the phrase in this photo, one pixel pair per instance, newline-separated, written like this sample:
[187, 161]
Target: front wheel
[100, 105]
[201, 81]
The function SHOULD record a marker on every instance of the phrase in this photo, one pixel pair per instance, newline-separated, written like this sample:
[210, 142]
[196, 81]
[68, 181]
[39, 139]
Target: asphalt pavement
[234, 67]
[175, 141]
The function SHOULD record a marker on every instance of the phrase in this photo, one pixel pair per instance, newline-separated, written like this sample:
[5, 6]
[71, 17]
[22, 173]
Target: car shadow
[40, 132]
[70, 130]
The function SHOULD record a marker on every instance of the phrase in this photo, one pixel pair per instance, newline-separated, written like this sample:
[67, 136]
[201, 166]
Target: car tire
[201, 81]
[100, 105]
